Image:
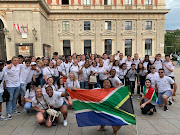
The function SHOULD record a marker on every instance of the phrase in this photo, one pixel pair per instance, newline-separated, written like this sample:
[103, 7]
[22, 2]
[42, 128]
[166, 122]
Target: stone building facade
[40, 27]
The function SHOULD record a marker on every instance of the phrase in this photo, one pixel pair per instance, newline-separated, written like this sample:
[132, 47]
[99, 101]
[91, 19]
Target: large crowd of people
[41, 83]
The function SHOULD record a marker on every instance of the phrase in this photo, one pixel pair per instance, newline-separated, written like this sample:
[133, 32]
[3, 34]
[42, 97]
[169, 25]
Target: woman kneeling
[149, 99]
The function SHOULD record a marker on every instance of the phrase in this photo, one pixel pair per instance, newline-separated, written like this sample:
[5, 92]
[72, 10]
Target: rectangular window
[108, 46]
[148, 2]
[107, 2]
[107, 25]
[87, 25]
[128, 2]
[25, 49]
[148, 47]
[65, 2]
[46, 50]
[148, 25]
[87, 2]
[66, 47]
[87, 46]
[65, 25]
[128, 25]
[128, 47]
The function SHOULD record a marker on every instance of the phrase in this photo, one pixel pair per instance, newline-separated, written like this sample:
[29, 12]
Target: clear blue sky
[173, 17]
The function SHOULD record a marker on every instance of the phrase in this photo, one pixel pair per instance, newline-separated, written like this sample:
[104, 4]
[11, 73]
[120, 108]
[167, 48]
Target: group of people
[41, 83]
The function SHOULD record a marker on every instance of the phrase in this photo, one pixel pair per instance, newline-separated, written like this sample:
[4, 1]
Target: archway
[2, 42]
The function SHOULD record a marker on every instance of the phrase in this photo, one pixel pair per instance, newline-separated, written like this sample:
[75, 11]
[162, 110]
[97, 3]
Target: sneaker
[9, 117]
[16, 112]
[170, 101]
[3, 118]
[154, 110]
[65, 122]
[150, 113]
[54, 123]
[165, 108]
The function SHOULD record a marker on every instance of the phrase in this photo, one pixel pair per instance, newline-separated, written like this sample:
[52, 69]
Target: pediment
[128, 33]
[148, 33]
[65, 33]
[87, 33]
[108, 33]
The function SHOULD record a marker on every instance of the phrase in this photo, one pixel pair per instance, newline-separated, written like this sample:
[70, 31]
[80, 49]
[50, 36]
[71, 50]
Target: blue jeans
[13, 91]
[178, 62]
[84, 85]
[22, 89]
[27, 106]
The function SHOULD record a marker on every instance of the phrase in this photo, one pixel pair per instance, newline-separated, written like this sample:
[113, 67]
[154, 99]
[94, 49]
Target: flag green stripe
[103, 107]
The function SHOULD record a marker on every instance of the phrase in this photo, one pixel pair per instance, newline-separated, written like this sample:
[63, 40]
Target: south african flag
[110, 107]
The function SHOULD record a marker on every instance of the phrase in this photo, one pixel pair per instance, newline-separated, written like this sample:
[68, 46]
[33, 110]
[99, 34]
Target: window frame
[128, 2]
[65, 23]
[126, 46]
[86, 28]
[148, 2]
[85, 2]
[148, 41]
[127, 27]
[87, 45]
[148, 27]
[108, 51]
[109, 2]
[64, 4]
[107, 26]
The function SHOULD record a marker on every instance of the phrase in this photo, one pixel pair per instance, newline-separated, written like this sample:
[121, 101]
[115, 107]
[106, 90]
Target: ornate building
[40, 27]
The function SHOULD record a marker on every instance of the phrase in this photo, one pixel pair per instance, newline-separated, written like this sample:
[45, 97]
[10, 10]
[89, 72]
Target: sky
[173, 17]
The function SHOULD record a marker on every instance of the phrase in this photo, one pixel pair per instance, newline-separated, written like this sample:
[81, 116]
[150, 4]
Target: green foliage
[172, 42]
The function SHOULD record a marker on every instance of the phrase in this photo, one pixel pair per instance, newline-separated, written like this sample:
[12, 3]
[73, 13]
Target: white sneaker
[3, 118]
[65, 122]
[16, 112]
[9, 117]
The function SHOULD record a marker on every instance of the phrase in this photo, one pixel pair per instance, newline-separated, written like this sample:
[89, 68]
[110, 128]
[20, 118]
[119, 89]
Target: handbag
[93, 79]
[52, 113]
[5, 96]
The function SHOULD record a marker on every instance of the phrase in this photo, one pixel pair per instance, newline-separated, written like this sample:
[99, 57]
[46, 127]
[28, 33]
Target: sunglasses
[161, 72]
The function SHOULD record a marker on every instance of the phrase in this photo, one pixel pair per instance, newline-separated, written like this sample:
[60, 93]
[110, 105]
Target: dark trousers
[147, 108]
[101, 83]
[132, 86]
[142, 83]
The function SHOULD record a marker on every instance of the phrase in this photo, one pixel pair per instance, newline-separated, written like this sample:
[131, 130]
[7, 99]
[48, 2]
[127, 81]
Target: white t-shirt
[101, 71]
[40, 71]
[122, 73]
[2, 78]
[24, 73]
[30, 76]
[158, 64]
[54, 61]
[70, 84]
[122, 61]
[169, 65]
[152, 77]
[85, 74]
[81, 63]
[30, 95]
[145, 64]
[56, 72]
[65, 68]
[41, 105]
[49, 72]
[164, 84]
[114, 81]
[61, 89]
[106, 62]
[13, 76]
[44, 89]
[94, 70]
[136, 62]
[56, 101]
[128, 64]
[75, 70]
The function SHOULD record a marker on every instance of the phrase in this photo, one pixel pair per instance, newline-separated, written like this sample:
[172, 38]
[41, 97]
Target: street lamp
[34, 31]
[6, 33]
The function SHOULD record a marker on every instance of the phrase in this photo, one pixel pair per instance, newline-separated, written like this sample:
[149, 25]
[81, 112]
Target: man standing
[163, 85]
[12, 85]
[136, 60]
[105, 60]
[55, 57]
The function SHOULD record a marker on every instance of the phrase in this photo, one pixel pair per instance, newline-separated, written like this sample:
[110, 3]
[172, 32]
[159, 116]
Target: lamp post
[34, 31]
[6, 33]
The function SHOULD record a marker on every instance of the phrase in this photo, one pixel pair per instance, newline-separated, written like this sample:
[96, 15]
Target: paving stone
[175, 122]
[24, 130]
[75, 130]
[43, 130]
[163, 126]
[93, 130]
[61, 130]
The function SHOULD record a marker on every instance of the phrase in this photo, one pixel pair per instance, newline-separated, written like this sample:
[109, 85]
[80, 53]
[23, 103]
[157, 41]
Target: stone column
[92, 47]
[98, 43]
[139, 42]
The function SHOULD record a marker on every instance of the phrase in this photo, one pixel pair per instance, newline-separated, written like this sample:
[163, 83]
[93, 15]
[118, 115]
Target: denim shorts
[167, 93]
[1, 99]
[23, 89]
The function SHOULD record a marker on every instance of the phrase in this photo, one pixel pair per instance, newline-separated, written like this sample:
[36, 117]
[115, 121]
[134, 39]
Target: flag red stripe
[94, 95]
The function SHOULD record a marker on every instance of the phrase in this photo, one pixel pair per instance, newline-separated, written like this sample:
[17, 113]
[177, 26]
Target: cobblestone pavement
[164, 123]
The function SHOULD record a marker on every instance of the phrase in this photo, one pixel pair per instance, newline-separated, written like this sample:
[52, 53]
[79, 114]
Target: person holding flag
[149, 100]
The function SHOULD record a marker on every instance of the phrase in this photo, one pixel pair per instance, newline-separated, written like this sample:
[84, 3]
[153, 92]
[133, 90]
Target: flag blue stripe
[94, 119]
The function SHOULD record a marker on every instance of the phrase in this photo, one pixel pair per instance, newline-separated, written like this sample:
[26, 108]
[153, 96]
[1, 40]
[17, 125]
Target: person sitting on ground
[149, 99]
[39, 104]
[30, 93]
[55, 101]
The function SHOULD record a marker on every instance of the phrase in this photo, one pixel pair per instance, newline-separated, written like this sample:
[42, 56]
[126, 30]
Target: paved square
[164, 123]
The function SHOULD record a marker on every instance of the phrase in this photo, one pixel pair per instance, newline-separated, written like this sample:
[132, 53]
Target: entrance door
[66, 48]
[87, 46]
[2, 42]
